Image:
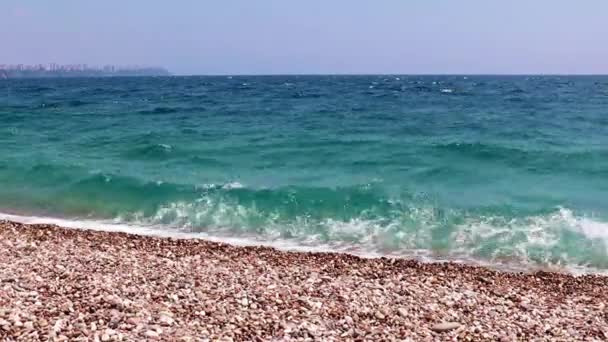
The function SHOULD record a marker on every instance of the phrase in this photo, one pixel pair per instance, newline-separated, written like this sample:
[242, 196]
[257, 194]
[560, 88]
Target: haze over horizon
[341, 37]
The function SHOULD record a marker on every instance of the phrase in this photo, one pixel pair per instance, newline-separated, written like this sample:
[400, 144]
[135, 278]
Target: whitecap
[233, 185]
[522, 243]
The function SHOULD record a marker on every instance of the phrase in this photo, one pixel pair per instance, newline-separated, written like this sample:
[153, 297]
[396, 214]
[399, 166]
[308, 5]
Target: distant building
[76, 70]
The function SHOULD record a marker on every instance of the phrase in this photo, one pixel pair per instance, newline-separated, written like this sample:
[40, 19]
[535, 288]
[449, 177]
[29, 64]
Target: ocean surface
[503, 170]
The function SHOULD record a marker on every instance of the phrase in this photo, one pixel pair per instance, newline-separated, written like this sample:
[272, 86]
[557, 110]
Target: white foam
[410, 236]
[225, 186]
[311, 245]
[233, 185]
[590, 228]
[542, 235]
[158, 231]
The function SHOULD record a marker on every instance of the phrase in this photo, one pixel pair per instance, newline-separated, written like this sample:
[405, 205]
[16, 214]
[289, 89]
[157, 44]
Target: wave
[159, 110]
[170, 110]
[364, 217]
[591, 161]
[556, 239]
[559, 240]
[77, 103]
[151, 152]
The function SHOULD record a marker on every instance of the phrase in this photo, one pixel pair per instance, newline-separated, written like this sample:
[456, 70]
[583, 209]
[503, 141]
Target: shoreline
[98, 224]
[71, 284]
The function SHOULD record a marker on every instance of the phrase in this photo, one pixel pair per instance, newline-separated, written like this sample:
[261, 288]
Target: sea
[506, 171]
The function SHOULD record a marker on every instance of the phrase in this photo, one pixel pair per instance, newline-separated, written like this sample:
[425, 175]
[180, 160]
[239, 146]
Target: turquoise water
[499, 169]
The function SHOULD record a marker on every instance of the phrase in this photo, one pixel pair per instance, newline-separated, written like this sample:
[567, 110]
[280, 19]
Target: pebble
[166, 320]
[151, 334]
[445, 326]
[116, 286]
[244, 301]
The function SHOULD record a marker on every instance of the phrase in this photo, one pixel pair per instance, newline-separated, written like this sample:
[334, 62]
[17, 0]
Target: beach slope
[69, 284]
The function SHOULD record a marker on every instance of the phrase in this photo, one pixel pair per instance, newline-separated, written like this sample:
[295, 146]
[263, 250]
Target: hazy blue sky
[312, 36]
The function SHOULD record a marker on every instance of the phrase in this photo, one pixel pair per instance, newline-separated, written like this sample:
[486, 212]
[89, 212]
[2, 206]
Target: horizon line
[385, 74]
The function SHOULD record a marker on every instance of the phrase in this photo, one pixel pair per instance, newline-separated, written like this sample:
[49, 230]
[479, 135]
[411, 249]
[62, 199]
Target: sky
[312, 36]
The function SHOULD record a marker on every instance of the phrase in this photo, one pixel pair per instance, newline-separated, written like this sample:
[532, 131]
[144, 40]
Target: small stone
[166, 313]
[166, 320]
[58, 326]
[348, 320]
[151, 334]
[379, 315]
[484, 280]
[402, 312]
[28, 325]
[244, 301]
[105, 337]
[445, 326]
[470, 293]
[133, 320]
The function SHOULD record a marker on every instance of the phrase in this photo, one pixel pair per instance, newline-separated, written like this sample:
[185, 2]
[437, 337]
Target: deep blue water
[501, 169]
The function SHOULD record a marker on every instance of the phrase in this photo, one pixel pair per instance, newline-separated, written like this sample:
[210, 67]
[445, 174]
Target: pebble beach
[64, 284]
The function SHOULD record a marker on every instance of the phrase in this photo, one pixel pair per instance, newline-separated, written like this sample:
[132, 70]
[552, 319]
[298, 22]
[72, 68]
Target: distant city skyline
[71, 67]
[314, 37]
[76, 70]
